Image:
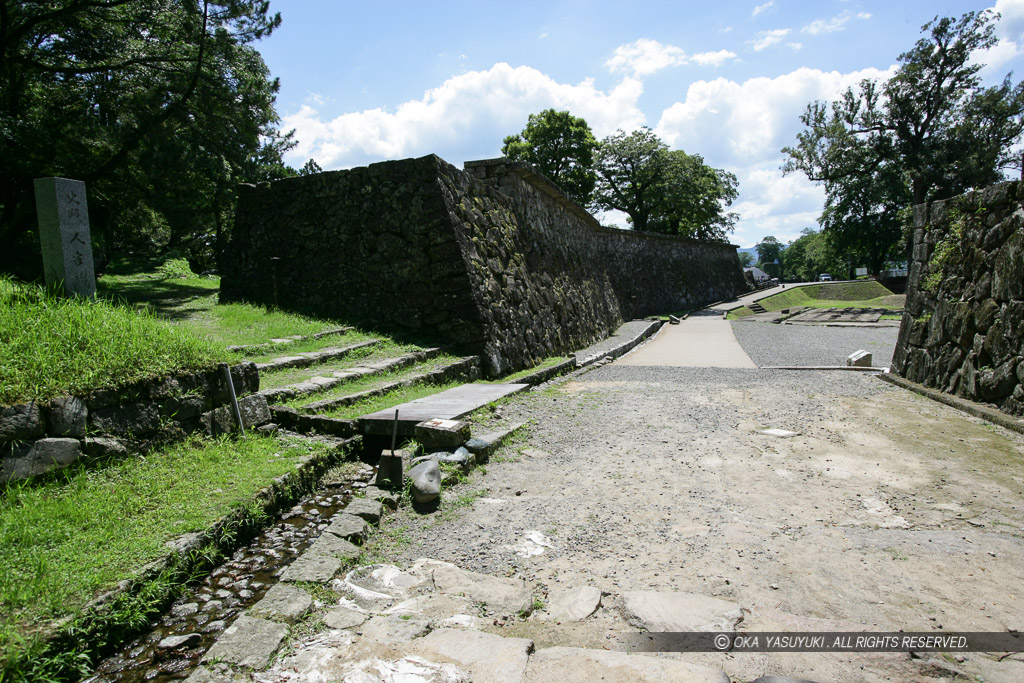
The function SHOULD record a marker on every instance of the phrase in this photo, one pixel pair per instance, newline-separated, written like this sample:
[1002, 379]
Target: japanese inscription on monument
[64, 235]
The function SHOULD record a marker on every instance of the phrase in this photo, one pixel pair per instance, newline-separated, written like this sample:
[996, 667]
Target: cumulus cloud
[819, 26]
[1010, 32]
[465, 117]
[742, 126]
[760, 9]
[766, 39]
[863, 15]
[645, 57]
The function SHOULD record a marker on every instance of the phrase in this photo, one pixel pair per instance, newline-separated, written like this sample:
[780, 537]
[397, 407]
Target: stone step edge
[970, 407]
[312, 357]
[263, 346]
[466, 367]
[298, 389]
[188, 555]
[622, 348]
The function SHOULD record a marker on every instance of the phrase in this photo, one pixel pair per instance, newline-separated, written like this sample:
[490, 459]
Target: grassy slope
[860, 294]
[67, 539]
[52, 346]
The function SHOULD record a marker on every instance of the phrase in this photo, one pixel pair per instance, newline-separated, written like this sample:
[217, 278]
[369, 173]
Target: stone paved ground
[656, 487]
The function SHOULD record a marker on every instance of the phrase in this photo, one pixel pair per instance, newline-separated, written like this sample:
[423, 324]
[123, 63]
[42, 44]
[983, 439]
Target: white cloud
[819, 26]
[763, 8]
[1010, 32]
[768, 38]
[863, 15]
[713, 58]
[645, 57]
[743, 126]
[465, 117]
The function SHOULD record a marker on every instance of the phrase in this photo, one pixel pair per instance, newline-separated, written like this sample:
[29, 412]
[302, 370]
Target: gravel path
[769, 344]
[886, 512]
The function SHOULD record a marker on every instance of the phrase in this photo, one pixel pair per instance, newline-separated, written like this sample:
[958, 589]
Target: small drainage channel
[174, 644]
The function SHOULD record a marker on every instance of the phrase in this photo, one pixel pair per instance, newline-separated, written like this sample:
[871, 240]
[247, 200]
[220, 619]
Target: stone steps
[757, 308]
[350, 374]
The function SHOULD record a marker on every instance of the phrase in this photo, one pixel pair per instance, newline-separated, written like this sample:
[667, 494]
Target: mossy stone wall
[963, 326]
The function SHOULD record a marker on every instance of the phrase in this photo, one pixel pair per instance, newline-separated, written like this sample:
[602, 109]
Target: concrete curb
[311, 357]
[970, 407]
[854, 368]
[622, 348]
[544, 374]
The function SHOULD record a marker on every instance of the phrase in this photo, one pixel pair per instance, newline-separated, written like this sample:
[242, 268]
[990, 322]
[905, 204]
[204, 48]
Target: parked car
[824, 277]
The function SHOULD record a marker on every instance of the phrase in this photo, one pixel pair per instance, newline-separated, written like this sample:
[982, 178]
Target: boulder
[425, 480]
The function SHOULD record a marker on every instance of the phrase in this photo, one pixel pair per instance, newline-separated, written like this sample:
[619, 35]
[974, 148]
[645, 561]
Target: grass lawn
[860, 294]
[171, 291]
[393, 398]
[65, 540]
[515, 376]
[51, 345]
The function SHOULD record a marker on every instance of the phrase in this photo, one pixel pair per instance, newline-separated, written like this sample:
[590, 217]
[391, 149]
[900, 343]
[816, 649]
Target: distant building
[758, 274]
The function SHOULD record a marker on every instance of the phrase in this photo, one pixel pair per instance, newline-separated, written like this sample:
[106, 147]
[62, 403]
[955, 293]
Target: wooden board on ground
[446, 405]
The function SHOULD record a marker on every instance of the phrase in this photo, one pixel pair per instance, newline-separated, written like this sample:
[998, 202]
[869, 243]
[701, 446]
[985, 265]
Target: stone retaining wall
[38, 437]
[963, 325]
[494, 259]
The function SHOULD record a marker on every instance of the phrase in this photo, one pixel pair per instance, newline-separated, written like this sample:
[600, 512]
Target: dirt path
[887, 512]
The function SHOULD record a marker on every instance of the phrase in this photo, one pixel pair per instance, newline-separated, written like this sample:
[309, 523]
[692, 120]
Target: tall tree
[769, 255]
[562, 147]
[159, 106]
[693, 197]
[631, 169]
[930, 131]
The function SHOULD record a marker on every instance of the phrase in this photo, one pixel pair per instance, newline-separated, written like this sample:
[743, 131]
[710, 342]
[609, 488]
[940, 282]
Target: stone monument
[64, 236]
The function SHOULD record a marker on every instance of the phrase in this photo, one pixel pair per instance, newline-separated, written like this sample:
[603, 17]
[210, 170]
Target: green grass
[51, 345]
[393, 398]
[513, 377]
[332, 341]
[66, 540]
[860, 294]
[171, 292]
[368, 354]
[373, 381]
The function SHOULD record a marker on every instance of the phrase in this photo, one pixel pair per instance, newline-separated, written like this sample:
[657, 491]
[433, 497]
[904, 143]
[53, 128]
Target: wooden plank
[446, 405]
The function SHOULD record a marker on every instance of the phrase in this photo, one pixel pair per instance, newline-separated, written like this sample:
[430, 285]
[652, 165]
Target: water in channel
[175, 643]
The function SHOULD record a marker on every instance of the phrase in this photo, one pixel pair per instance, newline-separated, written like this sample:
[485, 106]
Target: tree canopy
[160, 107]
[662, 190]
[931, 131]
[562, 147]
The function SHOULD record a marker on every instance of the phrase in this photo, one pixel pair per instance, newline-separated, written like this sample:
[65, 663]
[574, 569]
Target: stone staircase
[757, 308]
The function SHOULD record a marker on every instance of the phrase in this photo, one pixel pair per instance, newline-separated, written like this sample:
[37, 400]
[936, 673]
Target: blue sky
[367, 81]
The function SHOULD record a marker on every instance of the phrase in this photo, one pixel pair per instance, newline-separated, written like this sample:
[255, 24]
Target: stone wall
[495, 259]
[963, 326]
[38, 437]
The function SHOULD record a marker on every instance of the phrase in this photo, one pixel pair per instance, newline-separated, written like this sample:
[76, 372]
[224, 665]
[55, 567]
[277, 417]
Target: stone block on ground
[859, 359]
[349, 527]
[485, 656]
[366, 508]
[393, 629]
[425, 481]
[483, 445]
[283, 602]
[501, 595]
[575, 604]
[66, 416]
[312, 568]
[670, 611]
[440, 434]
[21, 422]
[579, 665]
[386, 497]
[329, 545]
[221, 673]
[104, 446]
[37, 457]
[254, 409]
[343, 617]
[390, 469]
[249, 642]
